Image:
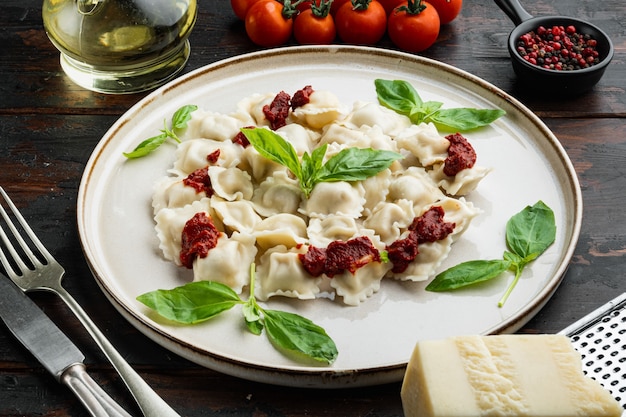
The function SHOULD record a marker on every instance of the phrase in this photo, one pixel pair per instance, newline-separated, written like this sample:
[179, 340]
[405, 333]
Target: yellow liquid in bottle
[120, 46]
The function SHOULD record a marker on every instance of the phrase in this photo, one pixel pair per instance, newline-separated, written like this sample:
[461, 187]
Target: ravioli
[266, 218]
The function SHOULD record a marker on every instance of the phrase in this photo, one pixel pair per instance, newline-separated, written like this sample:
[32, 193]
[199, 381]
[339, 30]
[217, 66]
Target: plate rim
[314, 376]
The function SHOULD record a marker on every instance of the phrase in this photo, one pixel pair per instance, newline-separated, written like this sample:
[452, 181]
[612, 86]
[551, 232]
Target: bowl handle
[514, 10]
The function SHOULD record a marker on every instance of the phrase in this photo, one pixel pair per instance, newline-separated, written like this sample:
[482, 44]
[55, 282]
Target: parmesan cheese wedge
[503, 375]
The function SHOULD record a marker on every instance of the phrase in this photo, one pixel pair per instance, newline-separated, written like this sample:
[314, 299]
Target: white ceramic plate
[375, 340]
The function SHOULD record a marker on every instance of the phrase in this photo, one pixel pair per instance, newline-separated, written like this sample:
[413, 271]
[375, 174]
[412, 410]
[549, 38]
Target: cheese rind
[502, 375]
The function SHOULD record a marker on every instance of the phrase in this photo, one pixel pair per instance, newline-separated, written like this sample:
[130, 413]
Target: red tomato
[389, 5]
[309, 29]
[336, 5]
[448, 9]
[306, 4]
[266, 25]
[361, 27]
[414, 32]
[241, 7]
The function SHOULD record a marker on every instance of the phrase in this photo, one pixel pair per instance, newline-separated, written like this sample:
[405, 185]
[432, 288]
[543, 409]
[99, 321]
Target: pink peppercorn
[558, 48]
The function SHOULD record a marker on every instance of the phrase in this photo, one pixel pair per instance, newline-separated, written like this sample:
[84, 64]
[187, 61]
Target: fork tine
[18, 237]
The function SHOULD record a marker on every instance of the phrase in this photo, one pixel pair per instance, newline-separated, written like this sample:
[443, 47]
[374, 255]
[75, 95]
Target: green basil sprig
[179, 121]
[401, 97]
[201, 300]
[528, 234]
[350, 164]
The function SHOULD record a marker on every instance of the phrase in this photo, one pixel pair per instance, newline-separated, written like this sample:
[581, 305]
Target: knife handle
[90, 394]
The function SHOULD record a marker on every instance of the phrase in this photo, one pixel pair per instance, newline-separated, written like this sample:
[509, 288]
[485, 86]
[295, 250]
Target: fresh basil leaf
[317, 158]
[273, 147]
[252, 316]
[179, 121]
[397, 95]
[191, 303]
[465, 118]
[468, 273]
[530, 232]
[182, 116]
[356, 164]
[402, 98]
[147, 146]
[422, 113]
[311, 165]
[514, 258]
[299, 335]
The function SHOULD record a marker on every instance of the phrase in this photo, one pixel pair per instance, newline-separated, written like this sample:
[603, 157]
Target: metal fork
[30, 273]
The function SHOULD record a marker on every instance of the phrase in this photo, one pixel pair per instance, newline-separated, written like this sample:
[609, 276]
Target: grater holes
[601, 343]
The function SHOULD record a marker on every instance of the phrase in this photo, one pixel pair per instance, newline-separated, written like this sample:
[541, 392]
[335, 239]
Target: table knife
[54, 350]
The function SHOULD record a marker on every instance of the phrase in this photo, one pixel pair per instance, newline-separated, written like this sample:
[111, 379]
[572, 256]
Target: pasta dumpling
[297, 242]
[210, 125]
[322, 109]
[193, 154]
[338, 197]
[281, 273]
[224, 262]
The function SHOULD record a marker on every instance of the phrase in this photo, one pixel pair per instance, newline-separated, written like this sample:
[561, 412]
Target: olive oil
[120, 46]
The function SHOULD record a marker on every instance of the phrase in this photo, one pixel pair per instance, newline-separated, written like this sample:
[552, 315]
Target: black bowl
[554, 82]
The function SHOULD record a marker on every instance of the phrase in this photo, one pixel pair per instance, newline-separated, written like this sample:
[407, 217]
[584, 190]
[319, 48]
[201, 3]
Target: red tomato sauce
[339, 256]
[199, 236]
[429, 227]
[199, 179]
[461, 155]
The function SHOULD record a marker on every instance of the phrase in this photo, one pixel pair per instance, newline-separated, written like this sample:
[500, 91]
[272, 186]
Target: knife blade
[53, 349]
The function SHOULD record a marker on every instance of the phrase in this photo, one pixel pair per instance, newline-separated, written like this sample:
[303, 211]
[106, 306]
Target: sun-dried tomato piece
[301, 97]
[313, 260]
[339, 256]
[429, 227]
[213, 156]
[199, 236]
[200, 180]
[350, 255]
[461, 155]
[278, 110]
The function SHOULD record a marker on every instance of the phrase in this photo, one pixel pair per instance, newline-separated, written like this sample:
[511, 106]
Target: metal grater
[600, 338]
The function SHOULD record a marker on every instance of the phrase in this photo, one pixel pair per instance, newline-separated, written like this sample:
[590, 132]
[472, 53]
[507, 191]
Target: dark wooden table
[49, 127]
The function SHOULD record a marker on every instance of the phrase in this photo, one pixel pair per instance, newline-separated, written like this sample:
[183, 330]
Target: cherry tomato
[309, 29]
[336, 5]
[448, 9]
[266, 24]
[241, 7]
[389, 5]
[412, 30]
[364, 26]
[306, 4]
